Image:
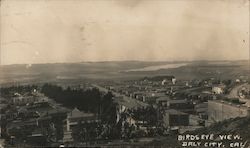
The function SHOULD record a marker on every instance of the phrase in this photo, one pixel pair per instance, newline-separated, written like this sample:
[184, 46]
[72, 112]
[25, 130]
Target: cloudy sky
[49, 31]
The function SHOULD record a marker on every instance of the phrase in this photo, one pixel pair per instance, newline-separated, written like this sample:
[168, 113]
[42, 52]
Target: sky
[55, 31]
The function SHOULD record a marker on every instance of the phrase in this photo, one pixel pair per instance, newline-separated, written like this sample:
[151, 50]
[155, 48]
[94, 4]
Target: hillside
[237, 126]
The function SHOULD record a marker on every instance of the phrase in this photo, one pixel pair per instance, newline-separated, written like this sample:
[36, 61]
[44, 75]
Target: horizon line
[103, 61]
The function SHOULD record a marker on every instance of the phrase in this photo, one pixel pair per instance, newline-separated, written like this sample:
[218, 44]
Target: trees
[86, 100]
[90, 100]
[148, 114]
[108, 109]
[9, 91]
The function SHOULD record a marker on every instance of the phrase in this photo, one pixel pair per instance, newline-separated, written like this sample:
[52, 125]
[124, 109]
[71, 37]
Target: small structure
[162, 101]
[67, 137]
[37, 137]
[175, 118]
[218, 89]
[174, 81]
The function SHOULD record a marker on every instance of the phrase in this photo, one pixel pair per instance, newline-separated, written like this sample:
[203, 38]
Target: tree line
[89, 100]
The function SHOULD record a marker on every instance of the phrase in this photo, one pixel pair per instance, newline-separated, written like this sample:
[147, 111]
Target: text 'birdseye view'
[125, 73]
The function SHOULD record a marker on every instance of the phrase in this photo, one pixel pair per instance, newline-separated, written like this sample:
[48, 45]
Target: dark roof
[175, 112]
[163, 98]
[178, 101]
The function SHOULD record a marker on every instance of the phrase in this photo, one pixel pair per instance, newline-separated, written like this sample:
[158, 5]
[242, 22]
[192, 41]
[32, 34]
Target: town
[124, 73]
[115, 113]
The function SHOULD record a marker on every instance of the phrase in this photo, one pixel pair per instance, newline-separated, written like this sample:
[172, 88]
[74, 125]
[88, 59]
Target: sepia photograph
[125, 73]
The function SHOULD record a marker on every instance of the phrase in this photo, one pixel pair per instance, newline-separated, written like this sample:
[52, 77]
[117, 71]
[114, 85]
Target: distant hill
[118, 70]
[158, 78]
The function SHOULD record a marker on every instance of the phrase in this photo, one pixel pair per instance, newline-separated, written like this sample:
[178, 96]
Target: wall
[219, 111]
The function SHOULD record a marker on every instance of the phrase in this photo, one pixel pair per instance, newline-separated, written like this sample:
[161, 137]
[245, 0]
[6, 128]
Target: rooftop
[129, 102]
[76, 113]
[163, 98]
[178, 101]
[175, 112]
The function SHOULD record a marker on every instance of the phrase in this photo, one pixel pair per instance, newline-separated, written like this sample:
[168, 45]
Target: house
[178, 104]
[201, 109]
[237, 80]
[218, 89]
[74, 118]
[162, 101]
[174, 81]
[181, 104]
[173, 117]
[124, 103]
[37, 137]
[17, 127]
[19, 99]
[3, 107]
[22, 100]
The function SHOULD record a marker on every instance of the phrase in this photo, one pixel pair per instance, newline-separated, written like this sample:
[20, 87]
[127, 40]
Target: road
[234, 93]
[102, 89]
[125, 100]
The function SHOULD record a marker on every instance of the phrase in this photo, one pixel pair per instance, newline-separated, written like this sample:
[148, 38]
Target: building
[178, 104]
[74, 118]
[201, 110]
[175, 118]
[37, 137]
[218, 89]
[22, 100]
[174, 81]
[162, 101]
[219, 110]
[181, 105]
[124, 103]
[17, 127]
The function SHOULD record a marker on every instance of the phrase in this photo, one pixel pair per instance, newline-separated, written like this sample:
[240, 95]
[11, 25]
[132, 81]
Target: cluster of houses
[176, 106]
[182, 104]
[31, 118]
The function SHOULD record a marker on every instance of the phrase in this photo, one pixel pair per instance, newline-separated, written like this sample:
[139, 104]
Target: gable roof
[76, 113]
